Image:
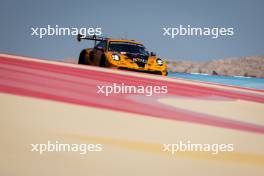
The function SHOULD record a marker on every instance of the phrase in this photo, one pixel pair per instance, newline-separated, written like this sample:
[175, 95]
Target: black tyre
[82, 59]
[102, 62]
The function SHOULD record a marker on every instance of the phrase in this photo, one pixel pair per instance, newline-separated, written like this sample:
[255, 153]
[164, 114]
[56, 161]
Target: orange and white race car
[121, 54]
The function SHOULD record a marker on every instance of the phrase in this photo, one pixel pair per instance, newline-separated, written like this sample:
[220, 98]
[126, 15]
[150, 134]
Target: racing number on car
[139, 60]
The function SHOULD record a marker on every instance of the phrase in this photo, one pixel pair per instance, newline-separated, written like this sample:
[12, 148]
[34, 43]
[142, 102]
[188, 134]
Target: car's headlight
[159, 61]
[115, 57]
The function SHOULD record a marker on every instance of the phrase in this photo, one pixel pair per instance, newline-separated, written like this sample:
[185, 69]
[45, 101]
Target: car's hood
[140, 59]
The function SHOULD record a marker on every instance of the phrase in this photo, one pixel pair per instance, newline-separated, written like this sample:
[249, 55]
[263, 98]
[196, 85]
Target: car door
[99, 50]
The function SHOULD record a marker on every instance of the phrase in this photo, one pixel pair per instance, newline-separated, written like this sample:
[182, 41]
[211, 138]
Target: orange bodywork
[103, 56]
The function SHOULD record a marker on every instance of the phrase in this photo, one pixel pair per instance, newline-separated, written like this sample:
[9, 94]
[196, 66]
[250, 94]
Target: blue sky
[139, 20]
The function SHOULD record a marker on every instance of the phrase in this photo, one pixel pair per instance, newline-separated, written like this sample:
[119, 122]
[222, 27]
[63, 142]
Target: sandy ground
[132, 141]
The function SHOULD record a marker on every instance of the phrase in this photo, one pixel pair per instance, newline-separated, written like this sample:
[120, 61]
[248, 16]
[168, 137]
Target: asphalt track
[45, 100]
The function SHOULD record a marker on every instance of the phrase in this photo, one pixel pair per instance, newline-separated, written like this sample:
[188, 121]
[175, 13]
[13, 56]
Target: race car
[121, 54]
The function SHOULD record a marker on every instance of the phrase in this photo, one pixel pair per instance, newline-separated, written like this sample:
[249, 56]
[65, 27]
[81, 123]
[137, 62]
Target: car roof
[124, 40]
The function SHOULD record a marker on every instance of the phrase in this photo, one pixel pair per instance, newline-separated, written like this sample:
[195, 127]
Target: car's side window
[102, 44]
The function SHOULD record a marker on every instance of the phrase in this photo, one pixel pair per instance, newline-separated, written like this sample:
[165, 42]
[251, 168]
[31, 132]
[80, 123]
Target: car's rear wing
[93, 37]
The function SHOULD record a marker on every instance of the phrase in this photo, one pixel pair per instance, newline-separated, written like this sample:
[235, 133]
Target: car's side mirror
[152, 54]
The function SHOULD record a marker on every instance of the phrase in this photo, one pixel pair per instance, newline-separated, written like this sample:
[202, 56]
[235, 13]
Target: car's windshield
[127, 48]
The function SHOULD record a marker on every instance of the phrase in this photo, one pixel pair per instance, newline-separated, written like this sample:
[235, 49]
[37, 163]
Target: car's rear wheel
[82, 59]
